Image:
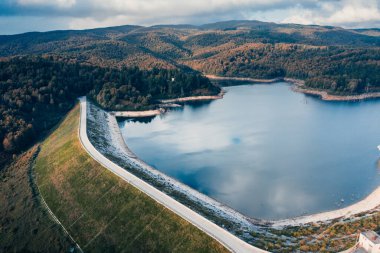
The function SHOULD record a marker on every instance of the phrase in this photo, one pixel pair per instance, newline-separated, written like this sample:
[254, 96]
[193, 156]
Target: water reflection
[143, 120]
[264, 152]
[225, 83]
[196, 105]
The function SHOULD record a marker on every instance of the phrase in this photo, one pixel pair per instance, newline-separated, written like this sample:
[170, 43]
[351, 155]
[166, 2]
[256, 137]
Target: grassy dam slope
[102, 212]
[25, 224]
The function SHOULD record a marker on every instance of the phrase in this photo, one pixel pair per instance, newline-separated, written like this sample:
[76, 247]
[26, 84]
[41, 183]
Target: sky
[18, 16]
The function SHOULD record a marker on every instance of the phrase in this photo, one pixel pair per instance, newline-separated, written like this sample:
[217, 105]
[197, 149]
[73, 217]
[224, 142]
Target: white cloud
[118, 12]
[356, 11]
[325, 12]
[175, 7]
[349, 13]
[95, 13]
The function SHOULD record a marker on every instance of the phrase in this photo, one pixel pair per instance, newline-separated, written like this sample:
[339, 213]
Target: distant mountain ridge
[44, 72]
[239, 31]
[331, 58]
[360, 34]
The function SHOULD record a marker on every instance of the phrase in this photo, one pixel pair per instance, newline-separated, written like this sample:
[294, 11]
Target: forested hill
[37, 92]
[335, 59]
[41, 74]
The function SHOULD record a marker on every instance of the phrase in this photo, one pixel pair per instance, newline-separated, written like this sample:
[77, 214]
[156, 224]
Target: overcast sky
[18, 16]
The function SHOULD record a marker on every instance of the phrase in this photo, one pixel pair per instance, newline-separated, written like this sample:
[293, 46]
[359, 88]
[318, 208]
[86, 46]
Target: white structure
[369, 241]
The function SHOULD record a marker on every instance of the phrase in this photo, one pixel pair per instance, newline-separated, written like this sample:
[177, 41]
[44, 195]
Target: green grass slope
[25, 225]
[102, 212]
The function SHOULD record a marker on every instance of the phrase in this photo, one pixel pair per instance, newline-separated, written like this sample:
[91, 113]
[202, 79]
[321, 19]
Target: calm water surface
[266, 151]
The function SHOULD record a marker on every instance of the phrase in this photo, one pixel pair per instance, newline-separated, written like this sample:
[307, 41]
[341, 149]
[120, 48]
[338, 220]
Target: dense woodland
[37, 92]
[335, 69]
[135, 89]
[338, 60]
[129, 67]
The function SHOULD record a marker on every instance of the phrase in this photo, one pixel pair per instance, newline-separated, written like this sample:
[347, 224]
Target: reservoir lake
[266, 151]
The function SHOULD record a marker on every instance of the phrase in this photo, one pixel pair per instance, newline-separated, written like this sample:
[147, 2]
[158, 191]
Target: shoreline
[364, 206]
[227, 239]
[164, 105]
[214, 210]
[298, 86]
[255, 80]
[193, 98]
[328, 97]
[245, 228]
[137, 114]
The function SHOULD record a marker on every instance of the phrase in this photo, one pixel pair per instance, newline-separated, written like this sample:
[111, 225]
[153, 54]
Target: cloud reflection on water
[262, 151]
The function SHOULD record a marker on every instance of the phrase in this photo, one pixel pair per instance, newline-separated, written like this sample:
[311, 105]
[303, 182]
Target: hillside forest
[36, 92]
[130, 67]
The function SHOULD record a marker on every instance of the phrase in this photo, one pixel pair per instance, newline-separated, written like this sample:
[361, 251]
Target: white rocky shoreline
[106, 124]
[219, 213]
[119, 147]
[369, 204]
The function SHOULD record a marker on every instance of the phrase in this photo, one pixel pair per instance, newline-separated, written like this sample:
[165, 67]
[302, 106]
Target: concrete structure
[369, 241]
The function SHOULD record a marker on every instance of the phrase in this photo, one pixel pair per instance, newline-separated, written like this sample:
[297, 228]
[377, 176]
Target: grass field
[102, 212]
[25, 225]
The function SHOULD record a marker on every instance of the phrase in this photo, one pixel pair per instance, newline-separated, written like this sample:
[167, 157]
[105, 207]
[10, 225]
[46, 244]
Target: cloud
[94, 13]
[356, 12]
[348, 13]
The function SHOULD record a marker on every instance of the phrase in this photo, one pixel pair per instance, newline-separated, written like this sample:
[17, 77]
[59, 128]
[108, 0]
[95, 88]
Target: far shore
[193, 98]
[366, 206]
[328, 97]
[164, 105]
[299, 86]
[223, 78]
[138, 114]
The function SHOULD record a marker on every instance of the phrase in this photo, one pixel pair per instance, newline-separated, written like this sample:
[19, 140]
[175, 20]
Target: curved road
[227, 239]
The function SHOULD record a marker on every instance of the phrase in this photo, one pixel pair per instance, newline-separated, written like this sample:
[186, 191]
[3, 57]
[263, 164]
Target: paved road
[230, 241]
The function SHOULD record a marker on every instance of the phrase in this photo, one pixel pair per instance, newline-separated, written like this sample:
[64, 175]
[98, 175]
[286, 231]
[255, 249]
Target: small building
[369, 242]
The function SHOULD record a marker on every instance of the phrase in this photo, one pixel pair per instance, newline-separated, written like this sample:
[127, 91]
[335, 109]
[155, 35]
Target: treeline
[36, 93]
[131, 89]
[338, 70]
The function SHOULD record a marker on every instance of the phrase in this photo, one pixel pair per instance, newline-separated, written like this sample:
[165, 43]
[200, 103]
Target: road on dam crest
[227, 239]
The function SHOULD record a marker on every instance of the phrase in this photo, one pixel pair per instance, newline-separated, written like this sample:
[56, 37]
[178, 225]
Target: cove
[266, 151]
